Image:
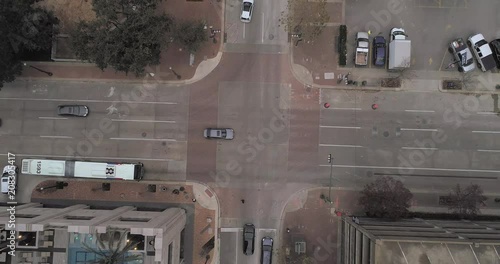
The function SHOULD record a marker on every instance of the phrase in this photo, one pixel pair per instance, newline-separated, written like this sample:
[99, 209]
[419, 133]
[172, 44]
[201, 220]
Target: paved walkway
[206, 205]
[309, 218]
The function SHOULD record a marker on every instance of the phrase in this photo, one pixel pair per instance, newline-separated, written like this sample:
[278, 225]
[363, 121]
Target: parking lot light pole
[330, 160]
[38, 69]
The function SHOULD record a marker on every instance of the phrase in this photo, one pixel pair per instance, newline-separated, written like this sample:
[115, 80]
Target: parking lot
[430, 24]
[232, 251]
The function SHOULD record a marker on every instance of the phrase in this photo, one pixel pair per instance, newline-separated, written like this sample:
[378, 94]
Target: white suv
[246, 11]
[482, 51]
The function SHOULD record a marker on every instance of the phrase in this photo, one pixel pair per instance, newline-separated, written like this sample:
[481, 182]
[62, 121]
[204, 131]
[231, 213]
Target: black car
[495, 48]
[248, 239]
[73, 110]
[379, 51]
[267, 251]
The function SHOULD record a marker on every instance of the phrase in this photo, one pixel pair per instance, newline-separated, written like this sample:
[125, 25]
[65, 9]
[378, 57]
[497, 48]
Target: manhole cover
[308, 89]
[271, 36]
[163, 143]
[386, 133]
[144, 134]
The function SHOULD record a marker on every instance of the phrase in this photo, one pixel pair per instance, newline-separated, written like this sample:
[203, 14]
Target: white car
[9, 174]
[219, 133]
[482, 52]
[246, 11]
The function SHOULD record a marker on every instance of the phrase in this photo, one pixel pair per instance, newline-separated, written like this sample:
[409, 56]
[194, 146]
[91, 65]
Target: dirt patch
[69, 12]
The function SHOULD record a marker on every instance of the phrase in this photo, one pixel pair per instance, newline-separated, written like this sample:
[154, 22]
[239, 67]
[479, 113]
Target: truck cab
[362, 49]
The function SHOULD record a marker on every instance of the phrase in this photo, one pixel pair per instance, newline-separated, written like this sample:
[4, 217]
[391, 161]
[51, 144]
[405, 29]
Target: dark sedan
[73, 110]
[495, 48]
[379, 51]
[248, 239]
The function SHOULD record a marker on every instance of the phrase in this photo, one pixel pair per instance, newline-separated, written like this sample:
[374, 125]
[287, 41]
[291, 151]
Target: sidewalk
[206, 205]
[314, 221]
[175, 61]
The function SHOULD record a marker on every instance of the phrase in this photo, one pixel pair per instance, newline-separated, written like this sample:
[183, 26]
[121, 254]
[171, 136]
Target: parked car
[9, 175]
[482, 51]
[219, 133]
[362, 49]
[248, 239]
[462, 55]
[495, 48]
[267, 251]
[73, 110]
[379, 45]
[246, 11]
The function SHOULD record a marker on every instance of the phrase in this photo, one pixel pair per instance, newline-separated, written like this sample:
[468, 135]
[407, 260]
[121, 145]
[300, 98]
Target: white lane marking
[52, 118]
[409, 168]
[55, 137]
[139, 121]
[262, 27]
[144, 139]
[486, 132]
[420, 111]
[85, 101]
[340, 146]
[489, 150]
[419, 129]
[230, 229]
[84, 157]
[487, 113]
[244, 25]
[419, 148]
[342, 127]
[266, 229]
[346, 108]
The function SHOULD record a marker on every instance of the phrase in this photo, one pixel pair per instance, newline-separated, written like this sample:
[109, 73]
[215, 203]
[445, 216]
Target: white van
[9, 170]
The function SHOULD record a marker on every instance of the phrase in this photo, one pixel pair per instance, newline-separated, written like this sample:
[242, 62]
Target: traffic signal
[329, 158]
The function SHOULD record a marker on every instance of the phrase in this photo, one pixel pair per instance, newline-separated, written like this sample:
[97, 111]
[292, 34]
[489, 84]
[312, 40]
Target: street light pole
[38, 69]
[176, 74]
[330, 160]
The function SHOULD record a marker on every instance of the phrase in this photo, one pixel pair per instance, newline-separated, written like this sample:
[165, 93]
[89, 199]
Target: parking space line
[486, 132]
[420, 111]
[340, 146]
[52, 118]
[340, 127]
[86, 157]
[262, 27]
[419, 129]
[141, 121]
[267, 229]
[144, 139]
[66, 137]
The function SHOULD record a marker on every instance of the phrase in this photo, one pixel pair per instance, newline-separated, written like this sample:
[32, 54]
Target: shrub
[342, 45]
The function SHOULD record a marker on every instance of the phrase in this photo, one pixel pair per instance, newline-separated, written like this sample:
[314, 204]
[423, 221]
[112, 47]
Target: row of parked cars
[249, 244]
[487, 54]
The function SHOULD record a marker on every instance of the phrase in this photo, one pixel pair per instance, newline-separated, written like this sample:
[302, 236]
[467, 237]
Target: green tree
[305, 18]
[24, 27]
[113, 247]
[385, 198]
[466, 201]
[191, 34]
[127, 35]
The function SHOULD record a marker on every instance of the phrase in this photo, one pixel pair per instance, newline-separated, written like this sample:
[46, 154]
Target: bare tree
[466, 201]
[113, 247]
[468, 80]
[386, 198]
